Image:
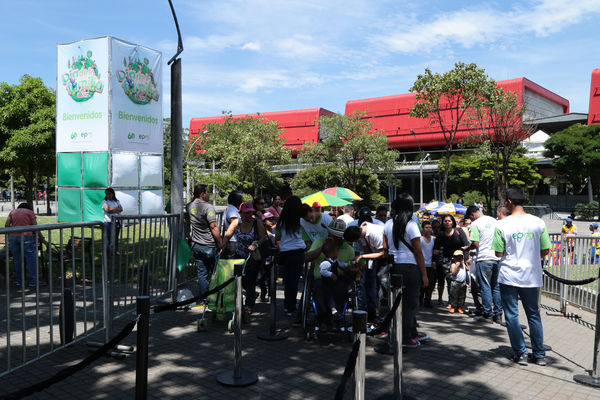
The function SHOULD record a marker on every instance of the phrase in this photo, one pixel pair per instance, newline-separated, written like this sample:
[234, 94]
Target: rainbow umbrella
[453, 209]
[342, 193]
[324, 199]
[434, 205]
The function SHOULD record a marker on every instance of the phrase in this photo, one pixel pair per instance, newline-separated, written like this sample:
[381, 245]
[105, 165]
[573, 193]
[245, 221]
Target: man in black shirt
[206, 236]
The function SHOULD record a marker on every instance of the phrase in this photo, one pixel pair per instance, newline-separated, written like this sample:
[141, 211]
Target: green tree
[575, 154]
[27, 130]
[245, 149]
[474, 171]
[447, 100]
[500, 121]
[314, 179]
[353, 147]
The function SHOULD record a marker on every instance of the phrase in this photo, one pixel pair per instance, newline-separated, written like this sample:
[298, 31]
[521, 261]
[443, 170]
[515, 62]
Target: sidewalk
[464, 359]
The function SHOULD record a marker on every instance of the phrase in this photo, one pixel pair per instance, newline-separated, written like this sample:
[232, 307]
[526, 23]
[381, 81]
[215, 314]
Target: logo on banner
[83, 78]
[137, 81]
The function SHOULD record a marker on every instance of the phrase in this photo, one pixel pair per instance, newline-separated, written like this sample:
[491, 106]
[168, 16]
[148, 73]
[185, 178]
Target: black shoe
[428, 304]
[521, 359]
[497, 318]
[539, 361]
[484, 318]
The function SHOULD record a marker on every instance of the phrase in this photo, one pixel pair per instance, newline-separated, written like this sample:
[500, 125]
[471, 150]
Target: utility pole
[176, 125]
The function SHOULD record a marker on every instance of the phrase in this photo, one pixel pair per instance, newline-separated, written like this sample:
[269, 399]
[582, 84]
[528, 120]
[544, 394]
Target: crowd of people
[499, 259]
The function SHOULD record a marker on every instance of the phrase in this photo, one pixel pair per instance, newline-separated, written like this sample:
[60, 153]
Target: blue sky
[267, 55]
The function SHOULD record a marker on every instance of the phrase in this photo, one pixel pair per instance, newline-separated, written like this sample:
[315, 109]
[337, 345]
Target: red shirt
[22, 217]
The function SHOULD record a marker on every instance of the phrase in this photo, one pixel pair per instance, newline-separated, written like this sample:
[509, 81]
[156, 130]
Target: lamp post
[187, 168]
[421, 176]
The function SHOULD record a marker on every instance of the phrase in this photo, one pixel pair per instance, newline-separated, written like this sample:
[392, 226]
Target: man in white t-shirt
[368, 238]
[348, 215]
[482, 236]
[521, 242]
[315, 226]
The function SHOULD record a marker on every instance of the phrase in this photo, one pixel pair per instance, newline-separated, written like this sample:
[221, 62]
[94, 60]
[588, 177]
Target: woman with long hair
[275, 208]
[291, 250]
[111, 207]
[448, 240]
[402, 239]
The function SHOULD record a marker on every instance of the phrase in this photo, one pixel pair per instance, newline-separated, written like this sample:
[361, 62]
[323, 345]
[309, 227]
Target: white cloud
[469, 28]
[253, 46]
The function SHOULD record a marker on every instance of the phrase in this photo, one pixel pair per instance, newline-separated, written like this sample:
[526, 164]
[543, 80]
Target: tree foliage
[499, 118]
[447, 101]
[27, 130]
[317, 178]
[475, 172]
[354, 150]
[576, 153]
[245, 149]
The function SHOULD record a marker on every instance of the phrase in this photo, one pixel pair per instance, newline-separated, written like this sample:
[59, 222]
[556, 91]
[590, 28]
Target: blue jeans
[487, 277]
[206, 258]
[109, 236]
[30, 256]
[367, 299]
[529, 300]
[291, 263]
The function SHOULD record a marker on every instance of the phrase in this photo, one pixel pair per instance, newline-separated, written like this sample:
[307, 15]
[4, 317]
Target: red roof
[391, 114]
[298, 126]
[594, 111]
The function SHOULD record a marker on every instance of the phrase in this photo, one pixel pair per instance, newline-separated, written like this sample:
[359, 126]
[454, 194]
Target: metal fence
[57, 297]
[573, 258]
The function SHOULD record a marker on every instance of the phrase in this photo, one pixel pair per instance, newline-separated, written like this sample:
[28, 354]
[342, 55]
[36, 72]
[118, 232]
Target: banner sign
[82, 96]
[136, 98]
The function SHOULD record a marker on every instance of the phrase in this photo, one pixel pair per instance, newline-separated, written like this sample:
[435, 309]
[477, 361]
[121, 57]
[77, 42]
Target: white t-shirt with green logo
[482, 231]
[521, 238]
[318, 230]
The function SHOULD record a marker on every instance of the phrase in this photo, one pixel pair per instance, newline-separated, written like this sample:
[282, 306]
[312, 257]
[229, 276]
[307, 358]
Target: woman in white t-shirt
[291, 250]
[111, 207]
[402, 239]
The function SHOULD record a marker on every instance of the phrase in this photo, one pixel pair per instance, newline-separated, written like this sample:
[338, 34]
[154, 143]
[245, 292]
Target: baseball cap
[337, 228]
[268, 215]
[568, 219]
[458, 253]
[316, 204]
[246, 207]
[594, 224]
[515, 193]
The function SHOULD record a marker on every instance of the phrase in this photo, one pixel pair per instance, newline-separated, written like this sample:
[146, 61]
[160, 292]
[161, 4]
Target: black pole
[141, 357]
[176, 125]
[273, 334]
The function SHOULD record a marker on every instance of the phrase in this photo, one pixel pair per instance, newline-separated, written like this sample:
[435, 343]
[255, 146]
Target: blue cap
[569, 219]
[594, 224]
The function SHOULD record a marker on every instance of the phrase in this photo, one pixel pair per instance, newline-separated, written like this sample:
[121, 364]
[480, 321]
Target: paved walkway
[463, 360]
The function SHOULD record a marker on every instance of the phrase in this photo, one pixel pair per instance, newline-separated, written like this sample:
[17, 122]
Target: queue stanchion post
[273, 334]
[593, 379]
[141, 357]
[359, 326]
[238, 377]
[396, 334]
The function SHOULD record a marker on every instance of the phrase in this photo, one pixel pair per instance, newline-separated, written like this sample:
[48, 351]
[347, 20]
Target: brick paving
[464, 359]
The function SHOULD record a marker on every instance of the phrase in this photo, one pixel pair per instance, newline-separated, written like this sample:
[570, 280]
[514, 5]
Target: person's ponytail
[403, 211]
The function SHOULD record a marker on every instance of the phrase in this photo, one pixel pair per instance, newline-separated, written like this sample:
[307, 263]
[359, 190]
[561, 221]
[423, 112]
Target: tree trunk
[444, 186]
[29, 187]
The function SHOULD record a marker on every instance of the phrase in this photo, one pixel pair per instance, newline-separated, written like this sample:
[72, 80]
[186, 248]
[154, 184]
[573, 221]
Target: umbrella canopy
[342, 193]
[432, 206]
[453, 209]
[324, 199]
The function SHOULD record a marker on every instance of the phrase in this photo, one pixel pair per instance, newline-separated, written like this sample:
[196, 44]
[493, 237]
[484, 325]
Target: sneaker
[451, 309]
[449, 306]
[521, 359]
[539, 361]
[413, 344]
[460, 310]
[497, 318]
[421, 337]
[483, 318]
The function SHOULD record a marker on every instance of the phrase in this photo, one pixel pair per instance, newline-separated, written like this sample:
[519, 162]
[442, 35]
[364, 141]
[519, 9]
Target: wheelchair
[315, 311]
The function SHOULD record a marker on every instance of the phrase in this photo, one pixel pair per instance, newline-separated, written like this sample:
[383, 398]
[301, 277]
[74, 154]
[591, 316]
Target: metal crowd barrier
[572, 258]
[62, 294]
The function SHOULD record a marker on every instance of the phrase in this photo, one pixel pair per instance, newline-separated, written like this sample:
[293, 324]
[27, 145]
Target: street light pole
[421, 176]
[187, 167]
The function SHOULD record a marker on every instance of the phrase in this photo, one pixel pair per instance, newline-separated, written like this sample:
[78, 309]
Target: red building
[391, 114]
[298, 126]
